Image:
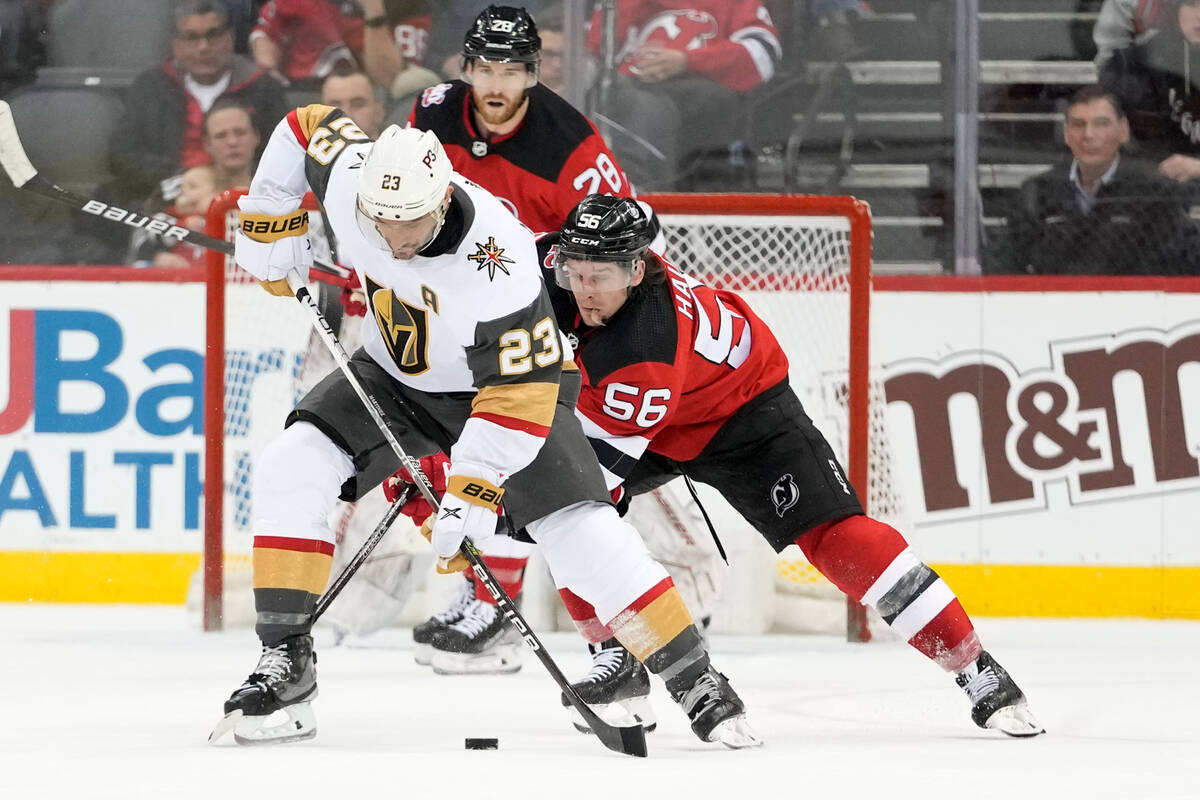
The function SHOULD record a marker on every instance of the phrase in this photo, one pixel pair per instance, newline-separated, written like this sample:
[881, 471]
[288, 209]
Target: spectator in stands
[161, 132]
[395, 40]
[297, 40]
[551, 21]
[352, 92]
[682, 68]
[232, 142]
[1100, 213]
[1154, 83]
[1123, 24]
[196, 191]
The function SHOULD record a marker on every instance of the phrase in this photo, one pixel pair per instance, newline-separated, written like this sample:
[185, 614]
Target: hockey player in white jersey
[463, 353]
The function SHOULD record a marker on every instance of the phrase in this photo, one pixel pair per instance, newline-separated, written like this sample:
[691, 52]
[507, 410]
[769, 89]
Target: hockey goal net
[803, 262]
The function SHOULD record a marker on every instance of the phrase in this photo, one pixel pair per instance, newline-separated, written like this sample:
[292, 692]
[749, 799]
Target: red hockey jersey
[540, 171]
[313, 35]
[733, 42]
[668, 370]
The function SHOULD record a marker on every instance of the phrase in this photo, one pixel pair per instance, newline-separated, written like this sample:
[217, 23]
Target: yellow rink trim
[985, 589]
[95, 577]
[1011, 590]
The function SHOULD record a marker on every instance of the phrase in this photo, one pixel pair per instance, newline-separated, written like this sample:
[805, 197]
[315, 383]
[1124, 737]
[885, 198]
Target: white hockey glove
[270, 242]
[469, 508]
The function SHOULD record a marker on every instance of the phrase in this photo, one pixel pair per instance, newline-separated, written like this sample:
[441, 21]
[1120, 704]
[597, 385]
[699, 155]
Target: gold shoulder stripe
[310, 118]
[530, 402]
[570, 366]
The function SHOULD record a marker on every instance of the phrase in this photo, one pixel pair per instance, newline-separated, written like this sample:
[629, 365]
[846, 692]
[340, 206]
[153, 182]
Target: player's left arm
[748, 57]
[516, 361]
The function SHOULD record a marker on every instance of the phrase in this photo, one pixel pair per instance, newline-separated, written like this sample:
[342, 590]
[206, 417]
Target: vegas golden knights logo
[404, 327]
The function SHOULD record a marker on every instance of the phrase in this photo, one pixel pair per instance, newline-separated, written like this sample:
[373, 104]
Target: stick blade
[630, 740]
[12, 154]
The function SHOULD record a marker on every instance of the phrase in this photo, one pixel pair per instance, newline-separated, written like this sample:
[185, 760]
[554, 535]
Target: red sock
[584, 617]
[871, 562]
[510, 574]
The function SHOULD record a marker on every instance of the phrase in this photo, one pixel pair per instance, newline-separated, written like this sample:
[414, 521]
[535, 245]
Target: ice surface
[116, 702]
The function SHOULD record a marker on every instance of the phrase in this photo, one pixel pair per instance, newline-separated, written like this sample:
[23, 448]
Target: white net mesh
[795, 273]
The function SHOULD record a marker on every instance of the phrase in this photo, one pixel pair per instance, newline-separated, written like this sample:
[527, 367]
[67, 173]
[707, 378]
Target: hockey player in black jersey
[683, 379]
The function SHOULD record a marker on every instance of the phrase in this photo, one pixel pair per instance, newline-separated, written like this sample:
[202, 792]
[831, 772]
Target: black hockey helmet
[605, 228]
[503, 34]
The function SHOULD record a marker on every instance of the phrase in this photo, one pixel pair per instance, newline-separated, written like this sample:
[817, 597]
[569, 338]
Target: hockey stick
[363, 553]
[630, 740]
[24, 175]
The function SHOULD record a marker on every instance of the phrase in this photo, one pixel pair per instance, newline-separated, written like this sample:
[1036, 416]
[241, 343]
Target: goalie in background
[462, 355]
[683, 379]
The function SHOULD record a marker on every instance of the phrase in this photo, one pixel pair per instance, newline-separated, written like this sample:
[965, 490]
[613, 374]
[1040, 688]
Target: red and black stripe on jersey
[670, 367]
[553, 159]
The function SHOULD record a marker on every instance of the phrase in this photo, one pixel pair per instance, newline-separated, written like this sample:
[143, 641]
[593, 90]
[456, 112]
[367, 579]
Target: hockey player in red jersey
[680, 378]
[510, 134]
[462, 355]
[540, 156]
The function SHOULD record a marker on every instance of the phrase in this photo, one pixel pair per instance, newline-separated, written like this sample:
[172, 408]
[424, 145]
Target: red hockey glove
[354, 301]
[418, 509]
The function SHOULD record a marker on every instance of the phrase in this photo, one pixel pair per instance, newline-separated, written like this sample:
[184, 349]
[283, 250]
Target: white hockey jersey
[473, 318]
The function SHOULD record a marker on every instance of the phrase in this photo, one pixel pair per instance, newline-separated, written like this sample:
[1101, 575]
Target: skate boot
[273, 705]
[482, 642]
[997, 701]
[716, 712]
[423, 634]
[617, 688]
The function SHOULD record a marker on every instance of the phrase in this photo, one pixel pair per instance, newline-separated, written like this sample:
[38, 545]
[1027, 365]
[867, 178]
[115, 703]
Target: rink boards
[1044, 435]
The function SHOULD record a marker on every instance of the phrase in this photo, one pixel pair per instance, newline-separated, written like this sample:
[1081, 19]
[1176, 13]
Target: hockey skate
[998, 703]
[617, 688]
[482, 642]
[273, 705]
[423, 634]
[716, 712]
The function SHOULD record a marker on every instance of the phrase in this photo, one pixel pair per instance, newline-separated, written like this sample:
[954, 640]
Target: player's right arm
[272, 235]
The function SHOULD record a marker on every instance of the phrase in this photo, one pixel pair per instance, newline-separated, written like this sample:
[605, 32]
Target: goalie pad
[676, 535]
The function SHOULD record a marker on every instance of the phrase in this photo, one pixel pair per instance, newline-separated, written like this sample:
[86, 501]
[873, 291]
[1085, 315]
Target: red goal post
[803, 262]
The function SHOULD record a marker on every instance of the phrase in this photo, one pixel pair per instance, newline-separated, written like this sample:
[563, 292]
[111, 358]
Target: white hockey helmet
[405, 175]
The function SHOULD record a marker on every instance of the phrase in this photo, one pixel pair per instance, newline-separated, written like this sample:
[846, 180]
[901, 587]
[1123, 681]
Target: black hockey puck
[483, 744]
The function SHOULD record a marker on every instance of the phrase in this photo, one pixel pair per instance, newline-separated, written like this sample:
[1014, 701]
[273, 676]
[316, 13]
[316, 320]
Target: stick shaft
[364, 552]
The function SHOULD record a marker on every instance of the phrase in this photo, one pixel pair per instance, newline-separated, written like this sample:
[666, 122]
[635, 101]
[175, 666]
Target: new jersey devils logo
[785, 494]
[404, 327]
